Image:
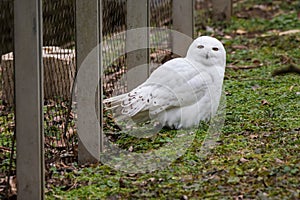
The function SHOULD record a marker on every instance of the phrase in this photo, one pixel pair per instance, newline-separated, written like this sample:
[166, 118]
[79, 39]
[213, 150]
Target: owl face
[208, 51]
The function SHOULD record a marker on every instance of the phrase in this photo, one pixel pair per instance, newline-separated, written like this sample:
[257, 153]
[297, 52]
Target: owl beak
[207, 56]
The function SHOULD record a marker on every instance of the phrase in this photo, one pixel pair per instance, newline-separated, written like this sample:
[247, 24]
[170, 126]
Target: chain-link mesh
[114, 25]
[161, 17]
[7, 116]
[114, 37]
[59, 73]
[115, 80]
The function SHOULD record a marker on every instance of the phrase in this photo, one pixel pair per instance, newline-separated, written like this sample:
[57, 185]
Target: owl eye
[215, 48]
[200, 46]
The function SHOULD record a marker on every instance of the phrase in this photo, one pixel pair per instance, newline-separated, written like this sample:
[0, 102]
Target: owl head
[207, 51]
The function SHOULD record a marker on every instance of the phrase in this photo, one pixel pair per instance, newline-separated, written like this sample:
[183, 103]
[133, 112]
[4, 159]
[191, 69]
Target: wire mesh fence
[115, 37]
[59, 73]
[116, 68]
[7, 116]
[59, 61]
[114, 18]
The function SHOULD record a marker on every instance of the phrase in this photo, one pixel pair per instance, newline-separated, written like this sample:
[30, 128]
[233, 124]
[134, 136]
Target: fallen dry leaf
[253, 136]
[289, 32]
[243, 160]
[227, 37]
[151, 179]
[265, 102]
[255, 87]
[130, 149]
[277, 160]
[241, 32]
[240, 197]
[264, 8]
[13, 185]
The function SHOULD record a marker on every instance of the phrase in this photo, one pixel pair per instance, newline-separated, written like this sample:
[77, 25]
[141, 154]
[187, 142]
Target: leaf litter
[257, 156]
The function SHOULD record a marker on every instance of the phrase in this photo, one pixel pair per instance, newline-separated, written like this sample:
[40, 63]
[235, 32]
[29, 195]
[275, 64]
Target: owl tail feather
[114, 100]
[129, 104]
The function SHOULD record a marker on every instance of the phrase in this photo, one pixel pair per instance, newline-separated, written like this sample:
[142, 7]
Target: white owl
[182, 92]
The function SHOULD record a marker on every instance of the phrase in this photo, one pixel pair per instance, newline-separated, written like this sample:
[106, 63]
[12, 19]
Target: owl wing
[177, 83]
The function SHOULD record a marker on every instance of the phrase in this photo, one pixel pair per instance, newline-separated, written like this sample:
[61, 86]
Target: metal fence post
[183, 22]
[29, 98]
[88, 37]
[137, 61]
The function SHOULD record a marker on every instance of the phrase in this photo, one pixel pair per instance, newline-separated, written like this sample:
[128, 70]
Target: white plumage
[182, 92]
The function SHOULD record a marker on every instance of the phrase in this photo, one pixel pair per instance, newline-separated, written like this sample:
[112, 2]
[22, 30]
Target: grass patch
[257, 154]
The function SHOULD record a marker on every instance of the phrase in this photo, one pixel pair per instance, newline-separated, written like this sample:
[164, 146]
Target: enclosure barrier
[31, 66]
[29, 98]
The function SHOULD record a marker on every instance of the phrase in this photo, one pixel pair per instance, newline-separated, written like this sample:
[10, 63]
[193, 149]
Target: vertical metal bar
[183, 22]
[87, 40]
[222, 9]
[138, 60]
[29, 98]
[101, 74]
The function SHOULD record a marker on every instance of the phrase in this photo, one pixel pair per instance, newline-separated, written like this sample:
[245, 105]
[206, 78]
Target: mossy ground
[257, 155]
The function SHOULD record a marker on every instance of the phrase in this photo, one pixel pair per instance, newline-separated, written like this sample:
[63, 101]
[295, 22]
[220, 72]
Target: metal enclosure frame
[29, 76]
[29, 98]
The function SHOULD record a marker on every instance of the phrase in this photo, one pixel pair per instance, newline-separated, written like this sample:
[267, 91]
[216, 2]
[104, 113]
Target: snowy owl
[181, 92]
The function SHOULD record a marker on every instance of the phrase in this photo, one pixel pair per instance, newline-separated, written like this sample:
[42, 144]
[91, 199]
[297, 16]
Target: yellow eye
[215, 48]
[200, 46]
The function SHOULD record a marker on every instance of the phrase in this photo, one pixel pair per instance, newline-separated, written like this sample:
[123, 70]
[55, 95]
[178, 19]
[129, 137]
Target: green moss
[257, 153]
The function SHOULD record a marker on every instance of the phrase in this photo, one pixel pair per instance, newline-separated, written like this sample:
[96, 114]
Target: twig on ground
[292, 68]
[234, 67]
